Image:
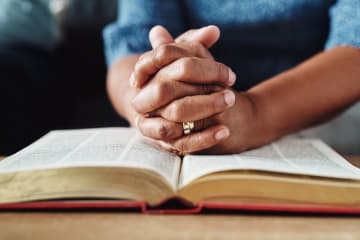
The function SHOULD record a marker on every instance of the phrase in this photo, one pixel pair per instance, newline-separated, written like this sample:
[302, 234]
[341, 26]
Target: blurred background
[52, 74]
[52, 68]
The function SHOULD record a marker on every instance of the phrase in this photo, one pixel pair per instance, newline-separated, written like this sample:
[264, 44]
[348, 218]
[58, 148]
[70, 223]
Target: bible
[117, 168]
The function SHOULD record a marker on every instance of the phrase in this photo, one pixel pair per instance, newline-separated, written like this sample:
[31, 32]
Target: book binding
[203, 207]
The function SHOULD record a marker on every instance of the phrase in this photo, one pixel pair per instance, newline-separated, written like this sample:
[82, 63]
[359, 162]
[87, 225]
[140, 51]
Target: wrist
[261, 130]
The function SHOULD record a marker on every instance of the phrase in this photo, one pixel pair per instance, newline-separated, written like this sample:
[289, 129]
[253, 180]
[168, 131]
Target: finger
[158, 128]
[193, 108]
[200, 140]
[207, 36]
[157, 94]
[198, 71]
[158, 36]
[152, 61]
[161, 129]
[166, 85]
[196, 48]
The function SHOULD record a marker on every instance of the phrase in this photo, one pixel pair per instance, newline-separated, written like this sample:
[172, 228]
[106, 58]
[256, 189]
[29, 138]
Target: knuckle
[161, 54]
[175, 111]
[186, 66]
[199, 49]
[196, 45]
[140, 62]
[163, 131]
[162, 90]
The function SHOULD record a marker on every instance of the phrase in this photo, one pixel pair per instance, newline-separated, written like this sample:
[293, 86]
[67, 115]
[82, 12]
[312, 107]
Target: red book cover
[179, 206]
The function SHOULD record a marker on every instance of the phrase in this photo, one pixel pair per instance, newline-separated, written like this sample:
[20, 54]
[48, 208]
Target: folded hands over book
[92, 165]
[179, 81]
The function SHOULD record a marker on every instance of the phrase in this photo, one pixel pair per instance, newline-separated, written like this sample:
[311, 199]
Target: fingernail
[132, 80]
[229, 98]
[221, 134]
[232, 77]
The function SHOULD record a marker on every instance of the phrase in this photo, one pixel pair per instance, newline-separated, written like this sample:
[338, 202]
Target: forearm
[119, 89]
[309, 93]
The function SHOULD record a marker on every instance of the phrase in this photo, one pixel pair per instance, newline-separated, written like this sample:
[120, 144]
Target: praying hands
[178, 95]
[180, 82]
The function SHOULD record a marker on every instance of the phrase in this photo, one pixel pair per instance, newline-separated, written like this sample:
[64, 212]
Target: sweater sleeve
[344, 24]
[129, 33]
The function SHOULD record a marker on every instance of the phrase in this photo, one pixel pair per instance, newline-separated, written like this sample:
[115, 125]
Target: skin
[180, 81]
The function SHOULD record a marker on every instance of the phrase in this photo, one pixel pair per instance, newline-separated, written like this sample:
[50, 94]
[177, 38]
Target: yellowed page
[104, 147]
[291, 156]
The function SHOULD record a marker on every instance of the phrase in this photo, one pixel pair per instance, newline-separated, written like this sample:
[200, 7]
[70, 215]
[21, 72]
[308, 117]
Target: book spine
[131, 206]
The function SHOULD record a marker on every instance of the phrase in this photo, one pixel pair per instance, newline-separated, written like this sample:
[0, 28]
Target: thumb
[158, 36]
[208, 36]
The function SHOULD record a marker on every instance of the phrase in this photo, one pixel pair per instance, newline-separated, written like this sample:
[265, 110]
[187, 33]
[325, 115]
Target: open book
[120, 164]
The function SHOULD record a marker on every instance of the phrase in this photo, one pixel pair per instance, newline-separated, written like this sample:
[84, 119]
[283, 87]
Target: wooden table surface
[90, 225]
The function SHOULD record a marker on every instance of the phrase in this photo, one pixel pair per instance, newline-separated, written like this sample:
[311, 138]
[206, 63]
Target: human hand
[177, 70]
[232, 130]
[193, 43]
[121, 93]
[214, 114]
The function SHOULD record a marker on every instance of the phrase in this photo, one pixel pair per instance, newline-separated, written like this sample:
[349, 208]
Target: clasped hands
[179, 81]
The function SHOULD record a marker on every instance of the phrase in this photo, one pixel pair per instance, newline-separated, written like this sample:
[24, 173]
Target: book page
[291, 156]
[104, 147]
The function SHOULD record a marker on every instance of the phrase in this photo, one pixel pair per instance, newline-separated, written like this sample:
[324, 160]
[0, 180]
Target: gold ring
[187, 127]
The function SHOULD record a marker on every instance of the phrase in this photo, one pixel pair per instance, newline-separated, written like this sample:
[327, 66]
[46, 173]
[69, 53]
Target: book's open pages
[106, 162]
[120, 163]
[109, 147]
[291, 156]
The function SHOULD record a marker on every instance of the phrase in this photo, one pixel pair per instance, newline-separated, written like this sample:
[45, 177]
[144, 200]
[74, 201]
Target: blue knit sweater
[259, 38]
